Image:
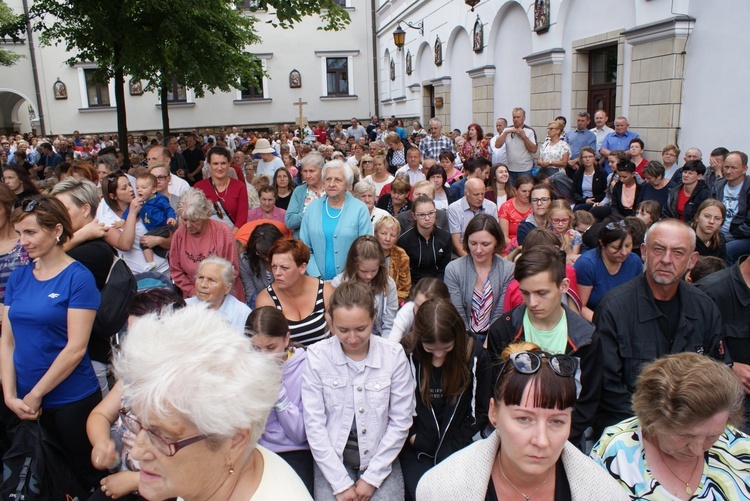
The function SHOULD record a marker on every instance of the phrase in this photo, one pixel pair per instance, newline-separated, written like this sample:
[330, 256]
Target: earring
[231, 470]
[58, 239]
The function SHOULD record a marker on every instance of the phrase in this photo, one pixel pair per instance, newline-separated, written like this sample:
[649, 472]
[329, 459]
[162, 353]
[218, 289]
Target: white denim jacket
[379, 398]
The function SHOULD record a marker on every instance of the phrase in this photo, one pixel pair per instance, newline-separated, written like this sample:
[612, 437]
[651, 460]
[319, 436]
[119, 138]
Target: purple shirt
[276, 215]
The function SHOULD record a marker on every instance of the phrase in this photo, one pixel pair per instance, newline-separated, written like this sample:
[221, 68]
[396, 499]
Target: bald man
[464, 209]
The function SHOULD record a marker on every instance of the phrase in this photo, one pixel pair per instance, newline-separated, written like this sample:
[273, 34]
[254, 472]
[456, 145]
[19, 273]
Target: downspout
[32, 55]
[374, 58]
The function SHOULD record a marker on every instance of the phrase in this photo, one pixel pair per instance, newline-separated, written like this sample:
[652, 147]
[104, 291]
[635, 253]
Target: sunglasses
[29, 204]
[527, 362]
[623, 223]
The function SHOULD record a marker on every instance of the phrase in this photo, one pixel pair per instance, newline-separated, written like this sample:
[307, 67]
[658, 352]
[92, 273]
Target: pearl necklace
[341, 210]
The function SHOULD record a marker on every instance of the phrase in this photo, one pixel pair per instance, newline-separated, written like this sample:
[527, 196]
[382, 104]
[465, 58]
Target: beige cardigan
[465, 475]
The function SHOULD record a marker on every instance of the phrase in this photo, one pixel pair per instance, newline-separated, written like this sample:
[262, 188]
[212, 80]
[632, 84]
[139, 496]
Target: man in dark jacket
[544, 320]
[683, 200]
[653, 315]
[733, 190]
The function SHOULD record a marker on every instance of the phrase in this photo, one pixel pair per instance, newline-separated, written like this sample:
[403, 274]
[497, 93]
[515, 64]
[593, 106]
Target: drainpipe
[32, 55]
[374, 58]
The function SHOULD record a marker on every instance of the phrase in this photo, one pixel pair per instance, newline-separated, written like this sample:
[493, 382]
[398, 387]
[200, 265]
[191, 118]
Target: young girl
[358, 393]
[453, 380]
[285, 428]
[426, 288]
[648, 211]
[561, 219]
[365, 263]
[707, 222]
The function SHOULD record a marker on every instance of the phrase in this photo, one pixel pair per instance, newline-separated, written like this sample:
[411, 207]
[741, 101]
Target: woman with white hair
[364, 191]
[197, 397]
[213, 284]
[333, 222]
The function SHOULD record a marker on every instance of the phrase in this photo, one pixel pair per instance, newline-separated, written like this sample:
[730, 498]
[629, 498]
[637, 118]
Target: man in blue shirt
[578, 138]
[618, 140]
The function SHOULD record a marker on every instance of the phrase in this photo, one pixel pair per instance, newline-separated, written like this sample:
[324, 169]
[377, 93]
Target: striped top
[481, 308]
[308, 330]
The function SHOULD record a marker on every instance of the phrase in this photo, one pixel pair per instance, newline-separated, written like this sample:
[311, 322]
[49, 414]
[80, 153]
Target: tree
[203, 45]
[9, 26]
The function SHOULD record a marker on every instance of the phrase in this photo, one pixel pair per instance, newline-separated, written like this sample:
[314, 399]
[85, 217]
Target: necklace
[527, 496]
[341, 210]
[216, 190]
[688, 490]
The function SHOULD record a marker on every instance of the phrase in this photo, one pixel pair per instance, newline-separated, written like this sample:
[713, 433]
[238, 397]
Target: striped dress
[308, 330]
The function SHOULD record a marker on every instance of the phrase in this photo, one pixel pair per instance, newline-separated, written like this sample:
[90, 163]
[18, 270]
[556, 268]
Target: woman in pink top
[515, 210]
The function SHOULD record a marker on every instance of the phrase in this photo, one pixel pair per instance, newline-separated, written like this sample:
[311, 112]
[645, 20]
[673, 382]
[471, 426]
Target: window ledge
[97, 109]
[339, 98]
[399, 99]
[264, 100]
[178, 105]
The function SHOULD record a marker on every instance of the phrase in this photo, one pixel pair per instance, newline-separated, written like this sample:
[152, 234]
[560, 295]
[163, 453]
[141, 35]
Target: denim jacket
[379, 398]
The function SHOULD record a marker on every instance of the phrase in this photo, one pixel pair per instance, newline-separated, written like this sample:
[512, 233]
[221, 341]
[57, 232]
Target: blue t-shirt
[329, 229]
[39, 316]
[591, 272]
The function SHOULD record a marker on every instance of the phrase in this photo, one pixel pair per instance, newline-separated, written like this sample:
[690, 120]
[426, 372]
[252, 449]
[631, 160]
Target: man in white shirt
[158, 153]
[498, 154]
[413, 167]
[600, 130]
[356, 130]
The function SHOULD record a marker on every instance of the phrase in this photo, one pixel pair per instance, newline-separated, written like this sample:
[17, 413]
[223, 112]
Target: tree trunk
[165, 110]
[122, 120]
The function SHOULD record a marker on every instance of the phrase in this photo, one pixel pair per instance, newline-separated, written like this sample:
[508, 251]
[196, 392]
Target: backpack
[36, 468]
[117, 292]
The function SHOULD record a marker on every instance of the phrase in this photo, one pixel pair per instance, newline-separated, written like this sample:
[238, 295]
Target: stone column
[656, 79]
[546, 88]
[483, 97]
[442, 88]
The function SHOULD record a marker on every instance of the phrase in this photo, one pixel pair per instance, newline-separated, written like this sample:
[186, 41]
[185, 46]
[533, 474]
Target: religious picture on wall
[478, 36]
[60, 90]
[295, 80]
[393, 70]
[541, 16]
[136, 87]
[408, 62]
[438, 52]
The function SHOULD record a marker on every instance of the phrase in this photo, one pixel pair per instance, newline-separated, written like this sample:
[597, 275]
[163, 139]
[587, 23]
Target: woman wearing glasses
[428, 247]
[49, 311]
[611, 264]
[198, 412]
[528, 456]
[541, 199]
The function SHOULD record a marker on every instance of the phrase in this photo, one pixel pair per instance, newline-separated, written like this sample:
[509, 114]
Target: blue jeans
[736, 248]
[516, 175]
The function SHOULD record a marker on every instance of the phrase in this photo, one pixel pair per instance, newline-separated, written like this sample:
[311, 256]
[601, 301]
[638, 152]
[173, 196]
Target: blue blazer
[353, 222]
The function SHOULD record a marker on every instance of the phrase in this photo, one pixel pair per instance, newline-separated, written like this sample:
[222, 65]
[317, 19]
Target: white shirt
[414, 176]
[232, 310]
[269, 168]
[498, 154]
[600, 135]
[177, 186]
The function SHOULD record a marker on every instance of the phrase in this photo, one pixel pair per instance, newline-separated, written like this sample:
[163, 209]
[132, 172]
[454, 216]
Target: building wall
[303, 48]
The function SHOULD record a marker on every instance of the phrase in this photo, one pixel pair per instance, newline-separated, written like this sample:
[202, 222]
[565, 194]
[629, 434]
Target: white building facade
[672, 67]
[332, 72]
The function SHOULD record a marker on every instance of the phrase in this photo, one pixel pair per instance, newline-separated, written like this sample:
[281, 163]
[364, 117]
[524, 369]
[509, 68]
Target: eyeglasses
[623, 223]
[161, 178]
[29, 204]
[565, 220]
[527, 362]
[161, 445]
[542, 200]
[426, 215]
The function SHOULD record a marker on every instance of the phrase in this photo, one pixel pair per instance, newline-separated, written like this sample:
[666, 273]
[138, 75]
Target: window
[337, 73]
[341, 3]
[249, 92]
[97, 93]
[176, 93]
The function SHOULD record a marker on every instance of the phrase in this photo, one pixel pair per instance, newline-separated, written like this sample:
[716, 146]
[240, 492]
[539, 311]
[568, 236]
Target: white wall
[511, 41]
[459, 62]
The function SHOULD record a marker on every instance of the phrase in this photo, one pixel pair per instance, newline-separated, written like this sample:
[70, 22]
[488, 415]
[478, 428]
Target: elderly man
[578, 138]
[520, 145]
[653, 315]
[431, 146]
[733, 190]
[498, 154]
[463, 210]
[618, 140]
[600, 129]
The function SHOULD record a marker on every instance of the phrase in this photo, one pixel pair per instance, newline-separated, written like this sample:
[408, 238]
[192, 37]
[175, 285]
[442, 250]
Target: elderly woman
[528, 455]
[387, 231]
[333, 222]
[683, 442]
[669, 156]
[397, 201]
[197, 396]
[311, 171]
[477, 281]
[213, 282]
[364, 191]
[198, 237]
[554, 153]
[228, 196]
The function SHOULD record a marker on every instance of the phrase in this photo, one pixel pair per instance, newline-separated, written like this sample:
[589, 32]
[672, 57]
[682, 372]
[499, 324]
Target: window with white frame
[97, 93]
[176, 93]
[337, 76]
[258, 91]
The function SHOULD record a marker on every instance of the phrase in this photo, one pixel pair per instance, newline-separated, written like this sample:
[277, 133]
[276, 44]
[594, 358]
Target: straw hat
[263, 146]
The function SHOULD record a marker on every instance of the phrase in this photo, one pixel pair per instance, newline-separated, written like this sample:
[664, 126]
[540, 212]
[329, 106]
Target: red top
[682, 199]
[640, 166]
[509, 212]
[233, 199]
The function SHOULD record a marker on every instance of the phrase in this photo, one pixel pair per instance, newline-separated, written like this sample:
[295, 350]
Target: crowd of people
[369, 313]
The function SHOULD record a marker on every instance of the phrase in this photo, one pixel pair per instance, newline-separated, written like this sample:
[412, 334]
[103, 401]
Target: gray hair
[313, 158]
[363, 187]
[674, 223]
[227, 268]
[435, 120]
[584, 114]
[109, 162]
[338, 164]
[194, 205]
[213, 378]
[81, 192]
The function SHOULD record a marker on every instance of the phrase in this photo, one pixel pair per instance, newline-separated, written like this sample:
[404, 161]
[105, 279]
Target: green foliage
[11, 26]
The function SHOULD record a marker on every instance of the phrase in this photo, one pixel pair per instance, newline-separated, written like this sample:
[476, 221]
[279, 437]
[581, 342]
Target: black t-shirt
[437, 399]
[96, 256]
[562, 487]
[283, 202]
[193, 158]
[671, 319]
